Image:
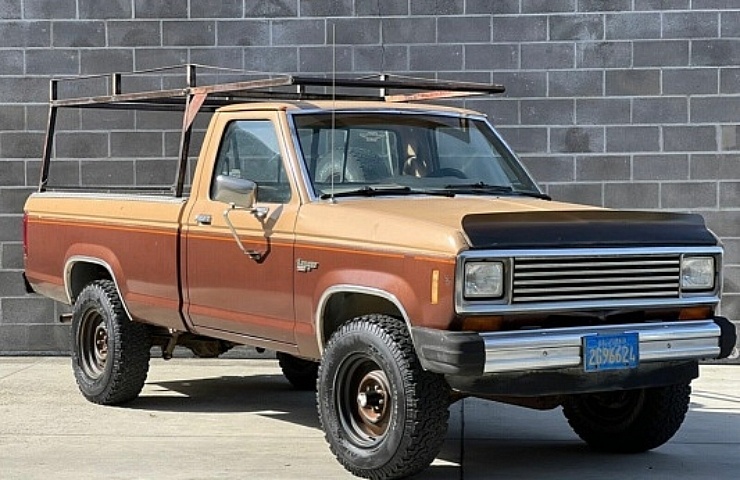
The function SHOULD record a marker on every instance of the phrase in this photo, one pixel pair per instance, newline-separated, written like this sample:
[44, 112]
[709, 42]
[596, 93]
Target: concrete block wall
[618, 103]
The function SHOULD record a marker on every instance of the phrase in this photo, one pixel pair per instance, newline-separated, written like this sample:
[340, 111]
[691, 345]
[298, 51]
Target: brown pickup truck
[397, 257]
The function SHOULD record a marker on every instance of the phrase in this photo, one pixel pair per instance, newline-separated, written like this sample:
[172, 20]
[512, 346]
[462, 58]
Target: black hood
[586, 228]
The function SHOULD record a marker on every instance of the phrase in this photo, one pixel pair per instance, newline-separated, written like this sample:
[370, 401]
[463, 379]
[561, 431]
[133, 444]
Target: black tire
[301, 373]
[110, 353]
[399, 429]
[361, 165]
[630, 421]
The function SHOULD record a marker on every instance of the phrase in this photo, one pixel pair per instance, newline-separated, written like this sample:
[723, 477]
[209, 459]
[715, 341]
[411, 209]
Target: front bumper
[557, 353]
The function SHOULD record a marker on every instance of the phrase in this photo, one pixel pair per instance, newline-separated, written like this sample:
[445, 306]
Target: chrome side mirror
[240, 194]
[235, 191]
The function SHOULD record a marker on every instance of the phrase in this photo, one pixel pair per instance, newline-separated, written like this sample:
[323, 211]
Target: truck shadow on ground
[260, 394]
[485, 439]
[501, 441]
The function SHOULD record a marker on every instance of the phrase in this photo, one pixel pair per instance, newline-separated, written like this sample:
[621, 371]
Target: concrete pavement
[224, 419]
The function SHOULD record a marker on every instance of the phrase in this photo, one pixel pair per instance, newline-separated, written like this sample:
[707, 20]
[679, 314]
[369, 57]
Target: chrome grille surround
[567, 280]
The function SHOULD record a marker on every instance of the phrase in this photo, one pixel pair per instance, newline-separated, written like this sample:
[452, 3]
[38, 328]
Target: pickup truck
[396, 256]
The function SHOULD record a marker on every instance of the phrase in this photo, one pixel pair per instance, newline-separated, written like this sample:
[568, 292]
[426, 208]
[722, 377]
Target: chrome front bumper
[476, 354]
[562, 347]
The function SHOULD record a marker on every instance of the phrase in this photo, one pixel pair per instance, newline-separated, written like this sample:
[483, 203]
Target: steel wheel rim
[364, 400]
[93, 344]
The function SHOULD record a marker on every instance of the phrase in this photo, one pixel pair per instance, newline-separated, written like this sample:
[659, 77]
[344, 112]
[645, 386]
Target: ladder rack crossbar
[385, 87]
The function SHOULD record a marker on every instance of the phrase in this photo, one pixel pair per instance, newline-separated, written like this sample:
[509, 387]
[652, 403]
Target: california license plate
[611, 352]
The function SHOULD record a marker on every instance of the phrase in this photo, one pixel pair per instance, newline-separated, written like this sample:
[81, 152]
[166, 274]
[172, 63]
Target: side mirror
[240, 194]
[235, 191]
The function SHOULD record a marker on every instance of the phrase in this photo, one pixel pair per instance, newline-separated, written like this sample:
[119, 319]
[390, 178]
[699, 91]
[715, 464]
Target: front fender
[420, 292]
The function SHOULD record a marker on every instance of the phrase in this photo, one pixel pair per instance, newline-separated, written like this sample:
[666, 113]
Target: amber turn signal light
[482, 323]
[695, 313]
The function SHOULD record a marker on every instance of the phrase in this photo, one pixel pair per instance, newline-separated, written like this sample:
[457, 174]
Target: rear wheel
[110, 353]
[299, 372]
[629, 421]
[383, 415]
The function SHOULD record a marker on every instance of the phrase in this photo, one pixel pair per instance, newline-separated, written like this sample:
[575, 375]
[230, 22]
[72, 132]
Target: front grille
[563, 279]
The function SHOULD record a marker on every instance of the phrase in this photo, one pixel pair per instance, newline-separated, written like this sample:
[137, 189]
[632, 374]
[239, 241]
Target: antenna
[333, 102]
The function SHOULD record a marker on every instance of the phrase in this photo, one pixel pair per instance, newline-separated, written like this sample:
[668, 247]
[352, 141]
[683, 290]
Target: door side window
[249, 150]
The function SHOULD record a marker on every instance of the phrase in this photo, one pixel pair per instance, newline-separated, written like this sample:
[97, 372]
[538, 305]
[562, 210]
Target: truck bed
[133, 237]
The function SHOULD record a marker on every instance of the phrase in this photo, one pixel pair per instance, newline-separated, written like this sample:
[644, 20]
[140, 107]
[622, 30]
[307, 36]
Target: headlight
[484, 280]
[697, 273]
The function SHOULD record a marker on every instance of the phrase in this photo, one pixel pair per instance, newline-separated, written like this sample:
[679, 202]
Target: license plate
[611, 352]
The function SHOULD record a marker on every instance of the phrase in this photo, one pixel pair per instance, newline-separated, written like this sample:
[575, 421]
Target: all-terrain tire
[384, 417]
[110, 353]
[301, 373]
[361, 165]
[630, 421]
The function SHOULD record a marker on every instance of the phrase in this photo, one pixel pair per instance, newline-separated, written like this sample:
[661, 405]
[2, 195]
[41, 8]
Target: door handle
[203, 219]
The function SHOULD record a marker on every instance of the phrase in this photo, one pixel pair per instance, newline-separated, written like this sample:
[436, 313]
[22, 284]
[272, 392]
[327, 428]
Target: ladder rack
[190, 98]
[381, 87]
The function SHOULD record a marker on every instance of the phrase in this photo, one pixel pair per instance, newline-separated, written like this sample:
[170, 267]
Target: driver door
[228, 290]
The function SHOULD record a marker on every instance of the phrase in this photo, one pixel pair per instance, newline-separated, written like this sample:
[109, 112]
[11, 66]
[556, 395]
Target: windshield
[370, 152]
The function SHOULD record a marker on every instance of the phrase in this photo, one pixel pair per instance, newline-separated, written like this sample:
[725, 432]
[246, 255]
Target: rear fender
[81, 269]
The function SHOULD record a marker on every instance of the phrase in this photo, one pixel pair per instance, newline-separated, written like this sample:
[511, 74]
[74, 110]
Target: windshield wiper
[486, 189]
[368, 191]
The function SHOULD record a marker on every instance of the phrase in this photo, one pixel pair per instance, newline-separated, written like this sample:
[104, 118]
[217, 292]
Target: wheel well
[344, 306]
[82, 273]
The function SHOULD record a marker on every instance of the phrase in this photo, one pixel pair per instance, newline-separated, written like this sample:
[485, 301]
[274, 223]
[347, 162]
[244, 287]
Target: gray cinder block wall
[619, 103]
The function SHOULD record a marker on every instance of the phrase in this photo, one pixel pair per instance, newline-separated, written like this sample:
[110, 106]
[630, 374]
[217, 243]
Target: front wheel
[382, 414]
[110, 353]
[629, 421]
